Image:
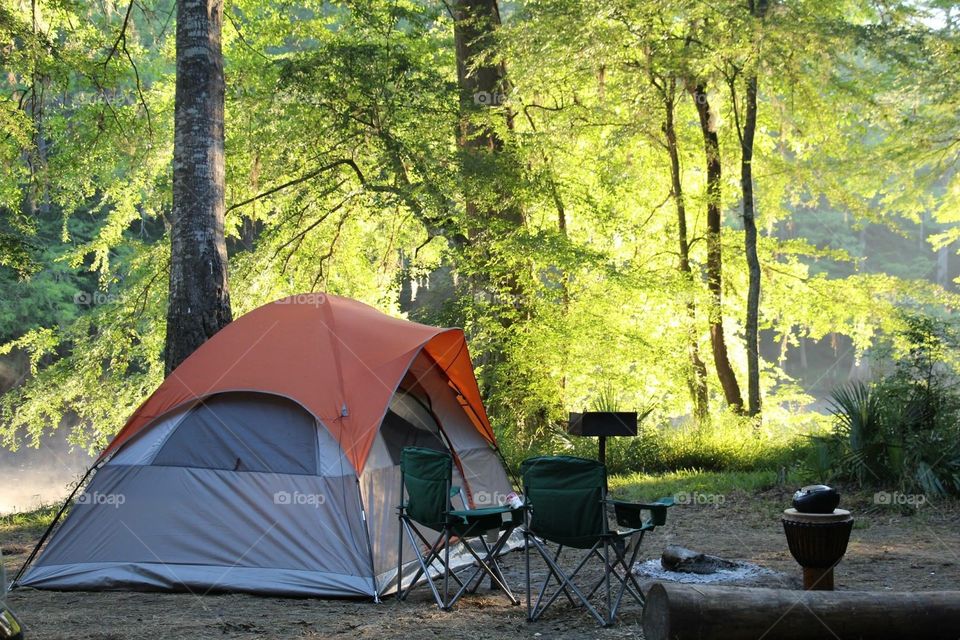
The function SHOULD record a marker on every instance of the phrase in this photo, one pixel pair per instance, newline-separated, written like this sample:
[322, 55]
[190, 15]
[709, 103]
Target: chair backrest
[566, 498]
[427, 476]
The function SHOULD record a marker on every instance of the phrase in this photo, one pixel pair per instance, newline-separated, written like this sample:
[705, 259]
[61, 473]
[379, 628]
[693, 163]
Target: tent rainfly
[268, 462]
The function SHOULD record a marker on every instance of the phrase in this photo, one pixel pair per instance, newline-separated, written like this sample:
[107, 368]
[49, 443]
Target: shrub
[905, 427]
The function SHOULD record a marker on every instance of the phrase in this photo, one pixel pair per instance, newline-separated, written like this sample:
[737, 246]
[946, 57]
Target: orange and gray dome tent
[268, 461]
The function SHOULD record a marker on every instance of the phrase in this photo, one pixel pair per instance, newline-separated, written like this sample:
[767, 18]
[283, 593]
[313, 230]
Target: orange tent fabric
[339, 358]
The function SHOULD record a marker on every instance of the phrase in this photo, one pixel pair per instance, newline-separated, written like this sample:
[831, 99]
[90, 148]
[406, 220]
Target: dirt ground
[889, 551]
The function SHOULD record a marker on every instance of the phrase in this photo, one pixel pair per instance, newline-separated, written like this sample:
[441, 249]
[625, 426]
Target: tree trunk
[481, 80]
[728, 379]
[488, 173]
[697, 380]
[750, 246]
[704, 612]
[483, 84]
[758, 9]
[199, 303]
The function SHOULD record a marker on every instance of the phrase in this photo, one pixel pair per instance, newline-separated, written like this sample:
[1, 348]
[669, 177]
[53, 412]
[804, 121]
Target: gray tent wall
[249, 492]
[199, 503]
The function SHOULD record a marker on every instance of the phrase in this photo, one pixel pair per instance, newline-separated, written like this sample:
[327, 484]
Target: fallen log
[677, 558]
[700, 612]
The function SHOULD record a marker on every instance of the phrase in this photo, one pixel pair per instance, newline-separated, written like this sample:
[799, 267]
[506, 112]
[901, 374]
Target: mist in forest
[32, 477]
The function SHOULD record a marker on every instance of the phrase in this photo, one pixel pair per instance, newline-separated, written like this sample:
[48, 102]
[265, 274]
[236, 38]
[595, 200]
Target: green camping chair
[567, 503]
[426, 479]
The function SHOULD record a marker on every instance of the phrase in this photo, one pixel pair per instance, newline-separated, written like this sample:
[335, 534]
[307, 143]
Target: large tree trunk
[481, 80]
[199, 304]
[488, 173]
[697, 380]
[750, 246]
[706, 612]
[728, 379]
[482, 83]
[757, 8]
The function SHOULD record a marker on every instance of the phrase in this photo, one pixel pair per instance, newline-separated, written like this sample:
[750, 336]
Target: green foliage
[729, 443]
[857, 409]
[905, 428]
[608, 399]
[344, 174]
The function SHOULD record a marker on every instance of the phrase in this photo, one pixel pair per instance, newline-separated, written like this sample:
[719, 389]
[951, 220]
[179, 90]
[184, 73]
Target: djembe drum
[817, 542]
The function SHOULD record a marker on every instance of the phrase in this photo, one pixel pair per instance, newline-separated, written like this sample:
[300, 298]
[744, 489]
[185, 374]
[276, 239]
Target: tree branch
[347, 162]
[120, 36]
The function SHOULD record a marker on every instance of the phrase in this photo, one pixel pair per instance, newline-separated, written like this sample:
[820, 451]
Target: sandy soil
[889, 551]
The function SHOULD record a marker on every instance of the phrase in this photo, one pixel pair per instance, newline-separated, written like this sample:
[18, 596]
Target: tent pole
[467, 406]
[366, 531]
[513, 476]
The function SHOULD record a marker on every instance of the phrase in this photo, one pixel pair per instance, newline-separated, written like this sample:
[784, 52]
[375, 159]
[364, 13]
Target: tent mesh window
[244, 432]
[410, 423]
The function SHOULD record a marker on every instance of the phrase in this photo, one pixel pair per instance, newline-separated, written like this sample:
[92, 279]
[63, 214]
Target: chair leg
[553, 574]
[628, 583]
[599, 582]
[614, 561]
[632, 586]
[526, 558]
[566, 582]
[488, 566]
[478, 573]
[491, 566]
[435, 550]
[446, 573]
[400, 557]
[424, 563]
[606, 580]
[434, 554]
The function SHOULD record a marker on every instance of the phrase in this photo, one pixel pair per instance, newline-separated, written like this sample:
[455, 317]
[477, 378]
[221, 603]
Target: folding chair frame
[566, 585]
[610, 547]
[485, 565]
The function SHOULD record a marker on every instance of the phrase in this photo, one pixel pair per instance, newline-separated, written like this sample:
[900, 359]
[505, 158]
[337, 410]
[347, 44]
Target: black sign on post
[602, 424]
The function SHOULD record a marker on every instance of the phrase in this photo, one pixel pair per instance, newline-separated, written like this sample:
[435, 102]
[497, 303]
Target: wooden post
[815, 579]
[702, 612]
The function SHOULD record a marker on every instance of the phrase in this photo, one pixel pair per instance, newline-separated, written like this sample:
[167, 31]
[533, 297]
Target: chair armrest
[630, 514]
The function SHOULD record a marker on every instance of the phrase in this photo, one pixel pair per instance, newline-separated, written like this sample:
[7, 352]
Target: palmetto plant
[608, 399]
[898, 430]
[858, 410]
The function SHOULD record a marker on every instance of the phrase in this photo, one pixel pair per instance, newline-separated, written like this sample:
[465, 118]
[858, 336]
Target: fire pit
[817, 538]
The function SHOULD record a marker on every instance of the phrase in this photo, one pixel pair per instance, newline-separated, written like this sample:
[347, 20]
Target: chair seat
[486, 519]
[586, 542]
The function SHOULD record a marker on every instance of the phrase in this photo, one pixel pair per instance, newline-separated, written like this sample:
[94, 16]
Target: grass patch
[646, 487]
[29, 522]
[729, 444]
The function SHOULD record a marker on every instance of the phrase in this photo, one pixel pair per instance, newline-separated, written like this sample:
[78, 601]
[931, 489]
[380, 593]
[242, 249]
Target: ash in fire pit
[678, 564]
